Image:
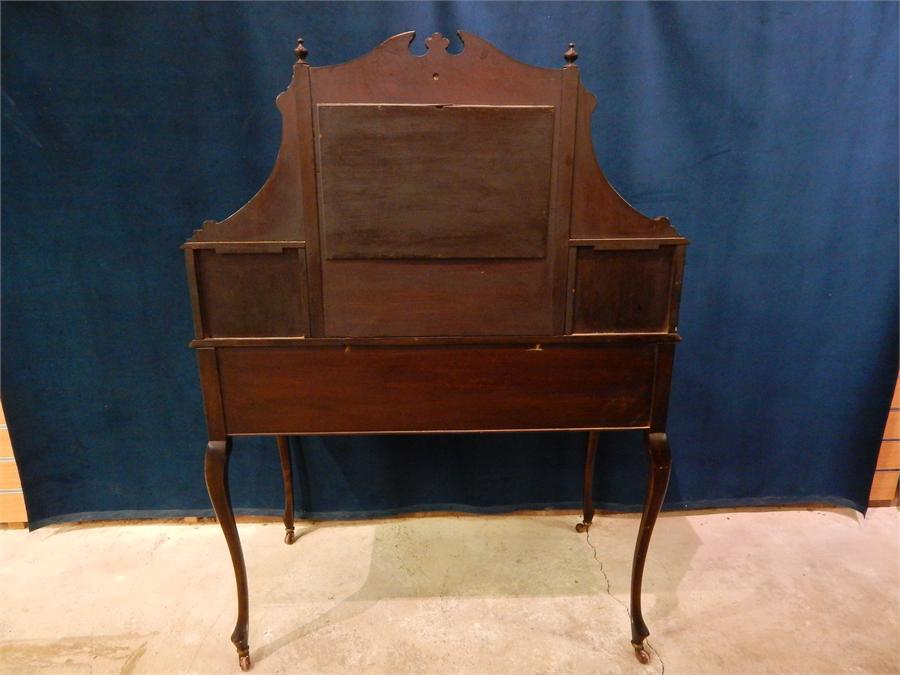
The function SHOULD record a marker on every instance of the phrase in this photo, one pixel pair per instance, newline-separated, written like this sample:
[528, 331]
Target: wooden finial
[300, 51]
[571, 55]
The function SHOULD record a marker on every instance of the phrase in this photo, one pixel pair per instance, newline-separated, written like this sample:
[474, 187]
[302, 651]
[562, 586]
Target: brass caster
[289, 537]
[640, 653]
[244, 660]
[582, 527]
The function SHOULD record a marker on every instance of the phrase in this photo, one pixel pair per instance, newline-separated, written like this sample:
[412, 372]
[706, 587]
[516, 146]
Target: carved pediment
[392, 75]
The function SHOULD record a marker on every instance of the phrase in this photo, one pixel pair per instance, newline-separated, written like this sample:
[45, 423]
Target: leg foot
[657, 482]
[244, 660]
[640, 653]
[216, 471]
[284, 452]
[590, 454]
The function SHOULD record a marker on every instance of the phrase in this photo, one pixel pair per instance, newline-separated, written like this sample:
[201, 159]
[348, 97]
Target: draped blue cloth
[766, 132]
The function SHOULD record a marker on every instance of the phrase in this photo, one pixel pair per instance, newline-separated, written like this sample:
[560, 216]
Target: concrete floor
[748, 592]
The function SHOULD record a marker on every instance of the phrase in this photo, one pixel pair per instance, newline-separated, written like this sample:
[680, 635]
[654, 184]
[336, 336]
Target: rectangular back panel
[252, 294]
[434, 219]
[623, 290]
[383, 389]
[434, 181]
[430, 297]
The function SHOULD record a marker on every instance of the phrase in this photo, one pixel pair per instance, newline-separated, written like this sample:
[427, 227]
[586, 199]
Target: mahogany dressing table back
[436, 249]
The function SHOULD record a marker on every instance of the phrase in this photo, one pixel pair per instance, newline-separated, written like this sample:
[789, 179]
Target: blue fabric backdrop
[767, 132]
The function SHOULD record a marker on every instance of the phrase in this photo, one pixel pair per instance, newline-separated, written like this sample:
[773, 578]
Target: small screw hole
[434, 76]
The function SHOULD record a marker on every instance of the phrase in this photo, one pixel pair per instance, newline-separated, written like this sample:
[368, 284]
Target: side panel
[252, 294]
[310, 390]
[627, 291]
[212, 393]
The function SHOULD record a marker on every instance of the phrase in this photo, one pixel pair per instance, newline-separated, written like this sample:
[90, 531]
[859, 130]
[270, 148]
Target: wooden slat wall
[887, 471]
[12, 502]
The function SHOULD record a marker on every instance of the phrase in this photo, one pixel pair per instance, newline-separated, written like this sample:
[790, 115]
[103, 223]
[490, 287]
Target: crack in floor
[647, 644]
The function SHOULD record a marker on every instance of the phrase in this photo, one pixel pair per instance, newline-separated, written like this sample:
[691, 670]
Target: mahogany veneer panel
[435, 181]
[253, 294]
[309, 390]
[623, 290]
[432, 298]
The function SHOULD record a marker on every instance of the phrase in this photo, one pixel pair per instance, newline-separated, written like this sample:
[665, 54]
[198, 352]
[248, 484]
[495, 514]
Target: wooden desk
[436, 250]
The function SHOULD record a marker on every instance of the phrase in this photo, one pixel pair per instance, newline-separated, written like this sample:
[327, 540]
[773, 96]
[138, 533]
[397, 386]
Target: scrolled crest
[436, 43]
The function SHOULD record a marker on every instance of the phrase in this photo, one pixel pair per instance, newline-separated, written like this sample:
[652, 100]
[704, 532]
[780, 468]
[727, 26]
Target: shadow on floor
[510, 556]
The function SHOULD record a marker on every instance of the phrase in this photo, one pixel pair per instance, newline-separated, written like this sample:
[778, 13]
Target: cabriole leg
[216, 471]
[657, 482]
[590, 455]
[284, 451]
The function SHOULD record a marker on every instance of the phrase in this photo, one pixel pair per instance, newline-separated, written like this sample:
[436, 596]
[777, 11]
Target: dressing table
[435, 250]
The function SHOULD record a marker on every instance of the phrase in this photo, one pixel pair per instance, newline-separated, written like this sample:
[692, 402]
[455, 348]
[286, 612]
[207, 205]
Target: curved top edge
[395, 43]
[465, 36]
[600, 197]
[436, 45]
